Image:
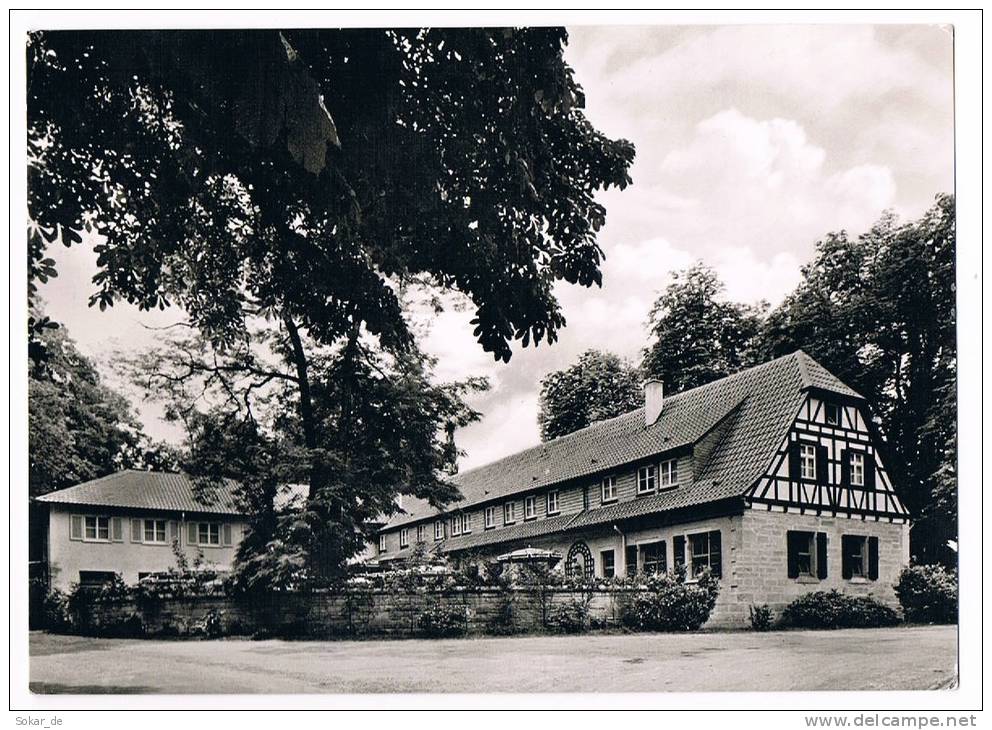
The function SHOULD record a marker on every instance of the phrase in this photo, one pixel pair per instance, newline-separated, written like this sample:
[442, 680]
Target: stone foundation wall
[328, 615]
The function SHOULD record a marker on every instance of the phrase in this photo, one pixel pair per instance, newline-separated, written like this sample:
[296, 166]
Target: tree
[296, 181]
[599, 386]
[78, 428]
[879, 311]
[695, 337]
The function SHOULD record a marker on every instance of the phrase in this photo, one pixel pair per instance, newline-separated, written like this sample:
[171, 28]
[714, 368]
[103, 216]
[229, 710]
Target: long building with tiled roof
[779, 463]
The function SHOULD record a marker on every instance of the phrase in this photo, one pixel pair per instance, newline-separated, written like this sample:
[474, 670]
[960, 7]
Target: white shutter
[226, 530]
[116, 529]
[75, 527]
[173, 530]
[191, 533]
[136, 530]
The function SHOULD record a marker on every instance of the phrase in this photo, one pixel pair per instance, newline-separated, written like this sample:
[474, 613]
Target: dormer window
[669, 473]
[509, 513]
[646, 479]
[439, 530]
[530, 507]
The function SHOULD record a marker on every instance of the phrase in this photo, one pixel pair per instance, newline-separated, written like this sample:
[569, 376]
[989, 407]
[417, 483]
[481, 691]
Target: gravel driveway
[917, 657]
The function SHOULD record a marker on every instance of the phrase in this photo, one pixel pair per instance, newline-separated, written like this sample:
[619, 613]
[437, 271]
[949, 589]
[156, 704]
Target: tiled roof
[766, 397]
[154, 490]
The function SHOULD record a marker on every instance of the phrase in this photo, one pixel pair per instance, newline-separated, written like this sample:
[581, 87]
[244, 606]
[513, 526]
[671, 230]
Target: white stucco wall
[67, 557]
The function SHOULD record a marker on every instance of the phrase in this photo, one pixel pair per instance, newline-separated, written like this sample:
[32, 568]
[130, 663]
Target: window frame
[466, 523]
[382, 543]
[810, 544]
[605, 498]
[853, 455]
[200, 542]
[659, 561]
[803, 446]
[96, 528]
[693, 555]
[154, 522]
[612, 563]
[509, 513]
[650, 474]
[455, 526]
[556, 509]
[672, 472]
[862, 563]
[438, 530]
[530, 507]
[420, 532]
[404, 537]
[489, 518]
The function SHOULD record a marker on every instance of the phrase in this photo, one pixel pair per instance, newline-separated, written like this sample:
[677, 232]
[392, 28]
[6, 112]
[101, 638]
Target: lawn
[917, 657]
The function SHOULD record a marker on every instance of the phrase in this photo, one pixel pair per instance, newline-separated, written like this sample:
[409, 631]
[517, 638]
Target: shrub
[761, 617]
[836, 610]
[211, 625]
[928, 594]
[440, 621]
[669, 603]
[569, 617]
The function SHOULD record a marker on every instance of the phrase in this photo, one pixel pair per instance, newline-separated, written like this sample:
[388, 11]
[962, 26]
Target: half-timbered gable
[830, 463]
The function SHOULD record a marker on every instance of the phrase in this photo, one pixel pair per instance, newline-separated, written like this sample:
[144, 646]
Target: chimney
[654, 397]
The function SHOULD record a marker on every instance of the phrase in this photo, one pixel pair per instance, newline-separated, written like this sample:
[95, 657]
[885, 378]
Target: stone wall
[328, 615]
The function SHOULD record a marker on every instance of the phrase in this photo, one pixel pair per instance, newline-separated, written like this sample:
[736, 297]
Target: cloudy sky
[752, 142]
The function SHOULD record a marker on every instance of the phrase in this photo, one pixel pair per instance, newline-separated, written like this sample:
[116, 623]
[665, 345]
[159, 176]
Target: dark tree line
[877, 310]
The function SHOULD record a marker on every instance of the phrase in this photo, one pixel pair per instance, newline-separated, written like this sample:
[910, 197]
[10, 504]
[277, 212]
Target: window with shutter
[173, 530]
[654, 557]
[706, 551]
[854, 556]
[135, 530]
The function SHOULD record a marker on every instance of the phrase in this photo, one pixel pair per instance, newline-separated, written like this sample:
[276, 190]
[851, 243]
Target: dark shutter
[845, 468]
[794, 461]
[631, 560]
[716, 559]
[792, 543]
[821, 465]
[872, 558]
[869, 471]
[846, 547]
[821, 555]
[678, 550]
[662, 557]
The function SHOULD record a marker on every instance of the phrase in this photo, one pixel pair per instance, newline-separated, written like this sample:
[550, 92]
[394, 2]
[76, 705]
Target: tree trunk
[306, 403]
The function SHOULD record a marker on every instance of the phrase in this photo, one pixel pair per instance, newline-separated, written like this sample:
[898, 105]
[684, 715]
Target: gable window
[456, 526]
[420, 533]
[654, 557]
[807, 554]
[404, 537]
[832, 414]
[466, 523]
[490, 517]
[509, 513]
[154, 531]
[439, 530]
[607, 560]
[807, 461]
[530, 508]
[857, 466]
[609, 489]
[645, 479]
[553, 508]
[706, 552]
[382, 543]
[859, 557]
[670, 473]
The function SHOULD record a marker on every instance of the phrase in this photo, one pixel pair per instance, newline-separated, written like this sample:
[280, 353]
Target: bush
[440, 621]
[928, 594]
[761, 617]
[569, 617]
[669, 603]
[836, 610]
[211, 625]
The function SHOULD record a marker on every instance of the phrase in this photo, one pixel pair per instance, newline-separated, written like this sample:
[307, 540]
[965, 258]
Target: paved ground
[900, 658]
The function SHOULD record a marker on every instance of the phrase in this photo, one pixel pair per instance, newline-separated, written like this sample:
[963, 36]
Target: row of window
[652, 557]
[101, 528]
[809, 462]
[649, 479]
[807, 555]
